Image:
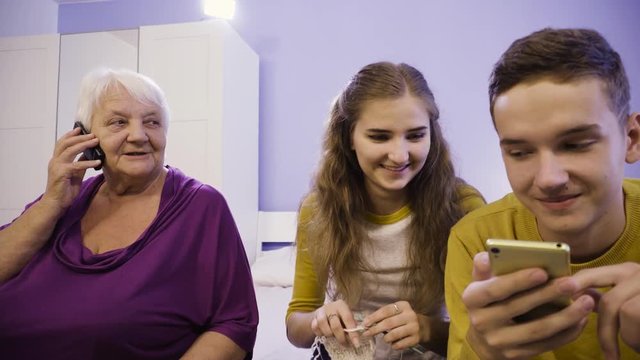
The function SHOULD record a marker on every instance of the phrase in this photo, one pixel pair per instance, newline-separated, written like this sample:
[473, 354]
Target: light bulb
[220, 8]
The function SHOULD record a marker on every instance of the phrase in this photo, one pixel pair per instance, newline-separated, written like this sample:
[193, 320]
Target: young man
[559, 100]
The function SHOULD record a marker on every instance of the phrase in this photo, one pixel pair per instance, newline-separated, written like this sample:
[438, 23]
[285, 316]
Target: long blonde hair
[339, 200]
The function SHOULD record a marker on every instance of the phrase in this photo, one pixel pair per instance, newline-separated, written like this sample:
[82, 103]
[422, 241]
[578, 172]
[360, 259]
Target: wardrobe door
[210, 77]
[180, 58]
[28, 84]
[81, 53]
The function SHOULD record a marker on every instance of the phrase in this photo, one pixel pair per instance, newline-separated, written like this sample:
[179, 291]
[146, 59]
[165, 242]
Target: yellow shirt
[507, 218]
[308, 293]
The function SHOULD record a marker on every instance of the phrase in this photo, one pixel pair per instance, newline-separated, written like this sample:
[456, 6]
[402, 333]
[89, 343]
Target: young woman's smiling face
[391, 140]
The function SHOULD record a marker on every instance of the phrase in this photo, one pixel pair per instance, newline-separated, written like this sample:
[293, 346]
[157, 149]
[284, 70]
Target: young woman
[372, 232]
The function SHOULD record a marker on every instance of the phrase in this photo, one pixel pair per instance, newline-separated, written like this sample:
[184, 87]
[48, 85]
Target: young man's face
[564, 151]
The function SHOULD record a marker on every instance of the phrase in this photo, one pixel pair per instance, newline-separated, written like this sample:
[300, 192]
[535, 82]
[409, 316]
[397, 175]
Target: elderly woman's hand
[65, 174]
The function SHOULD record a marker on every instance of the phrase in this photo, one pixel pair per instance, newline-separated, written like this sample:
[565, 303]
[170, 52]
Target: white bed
[273, 277]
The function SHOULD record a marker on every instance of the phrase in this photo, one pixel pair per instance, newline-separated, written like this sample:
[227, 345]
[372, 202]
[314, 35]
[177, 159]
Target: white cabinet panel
[178, 150]
[240, 130]
[28, 84]
[27, 172]
[20, 108]
[187, 85]
[210, 74]
[179, 57]
[81, 53]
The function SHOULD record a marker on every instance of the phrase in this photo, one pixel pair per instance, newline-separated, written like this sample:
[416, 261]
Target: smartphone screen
[94, 153]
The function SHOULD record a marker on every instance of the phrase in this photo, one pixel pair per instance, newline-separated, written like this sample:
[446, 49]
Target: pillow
[275, 267]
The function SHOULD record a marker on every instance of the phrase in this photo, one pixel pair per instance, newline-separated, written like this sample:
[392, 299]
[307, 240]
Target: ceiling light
[219, 8]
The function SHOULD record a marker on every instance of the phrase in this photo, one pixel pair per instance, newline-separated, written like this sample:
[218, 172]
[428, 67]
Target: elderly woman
[140, 262]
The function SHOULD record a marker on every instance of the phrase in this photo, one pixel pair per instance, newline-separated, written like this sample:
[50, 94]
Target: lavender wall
[309, 49]
[28, 17]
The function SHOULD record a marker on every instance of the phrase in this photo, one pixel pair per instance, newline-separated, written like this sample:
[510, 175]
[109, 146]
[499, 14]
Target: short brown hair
[564, 55]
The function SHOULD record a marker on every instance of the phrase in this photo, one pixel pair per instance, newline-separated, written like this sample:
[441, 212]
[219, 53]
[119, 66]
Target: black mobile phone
[94, 153]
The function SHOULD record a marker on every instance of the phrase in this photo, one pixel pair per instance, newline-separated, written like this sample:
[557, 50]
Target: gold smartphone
[507, 256]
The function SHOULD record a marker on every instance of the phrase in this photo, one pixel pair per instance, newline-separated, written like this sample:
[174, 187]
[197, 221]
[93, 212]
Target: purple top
[186, 274]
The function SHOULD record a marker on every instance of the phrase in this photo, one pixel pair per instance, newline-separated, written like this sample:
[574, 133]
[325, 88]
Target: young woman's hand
[330, 321]
[398, 321]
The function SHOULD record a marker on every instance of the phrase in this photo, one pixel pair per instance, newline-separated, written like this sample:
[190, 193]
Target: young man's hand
[493, 302]
[619, 308]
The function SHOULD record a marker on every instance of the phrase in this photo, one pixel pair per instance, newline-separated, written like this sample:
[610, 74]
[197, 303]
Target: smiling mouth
[559, 203]
[396, 168]
[558, 199]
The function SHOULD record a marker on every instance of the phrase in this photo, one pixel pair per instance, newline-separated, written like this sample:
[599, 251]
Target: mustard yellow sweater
[309, 294]
[507, 218]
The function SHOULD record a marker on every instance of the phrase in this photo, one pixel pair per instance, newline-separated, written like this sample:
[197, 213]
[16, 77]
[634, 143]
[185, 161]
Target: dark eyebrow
[508, 141]
[382, 131]
[569, 132]
[581, 129]
[419, 128]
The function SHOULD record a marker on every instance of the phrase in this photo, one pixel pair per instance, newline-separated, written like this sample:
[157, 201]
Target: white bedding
[271, 342]
[273, 273]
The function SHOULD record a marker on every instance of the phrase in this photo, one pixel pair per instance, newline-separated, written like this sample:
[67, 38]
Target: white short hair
[98, 82]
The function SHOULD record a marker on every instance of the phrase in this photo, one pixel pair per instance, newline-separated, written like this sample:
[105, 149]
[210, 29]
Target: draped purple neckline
[69, 248]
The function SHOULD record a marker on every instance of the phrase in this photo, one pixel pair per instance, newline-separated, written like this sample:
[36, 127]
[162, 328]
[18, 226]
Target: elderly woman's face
[132, 134]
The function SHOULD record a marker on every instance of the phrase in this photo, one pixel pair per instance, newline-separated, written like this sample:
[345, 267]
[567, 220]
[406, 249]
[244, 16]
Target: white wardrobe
[209, 75]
